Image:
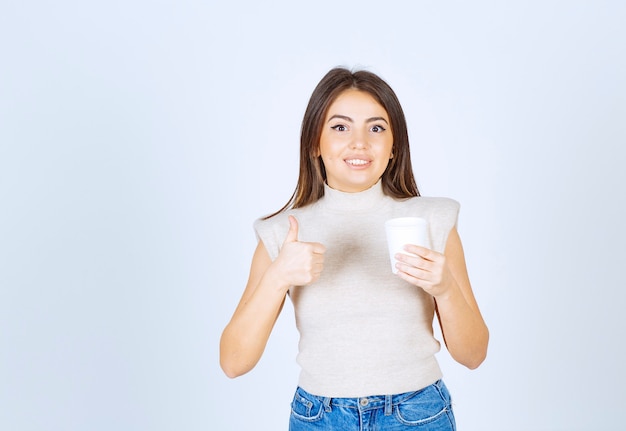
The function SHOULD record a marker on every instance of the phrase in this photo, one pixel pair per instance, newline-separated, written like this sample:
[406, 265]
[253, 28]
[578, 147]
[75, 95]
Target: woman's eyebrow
[369, 120]
[341, 117]
[346, 118]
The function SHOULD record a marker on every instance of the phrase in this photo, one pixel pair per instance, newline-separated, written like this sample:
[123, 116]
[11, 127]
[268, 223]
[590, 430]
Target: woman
[366, 350]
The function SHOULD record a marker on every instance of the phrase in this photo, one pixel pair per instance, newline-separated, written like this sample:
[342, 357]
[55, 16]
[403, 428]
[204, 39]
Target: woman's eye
[377, 129]
[339, 128]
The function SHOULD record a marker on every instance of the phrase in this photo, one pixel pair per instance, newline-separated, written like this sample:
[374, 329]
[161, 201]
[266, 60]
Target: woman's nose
[359, 140]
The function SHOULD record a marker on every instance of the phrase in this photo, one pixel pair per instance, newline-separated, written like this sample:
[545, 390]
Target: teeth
[357, 162]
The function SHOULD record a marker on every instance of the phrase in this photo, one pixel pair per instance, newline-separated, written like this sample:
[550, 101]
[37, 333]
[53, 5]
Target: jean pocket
[306, 407]
[424, 407]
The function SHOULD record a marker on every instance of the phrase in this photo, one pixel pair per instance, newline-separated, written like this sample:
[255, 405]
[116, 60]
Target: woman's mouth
[358, 163]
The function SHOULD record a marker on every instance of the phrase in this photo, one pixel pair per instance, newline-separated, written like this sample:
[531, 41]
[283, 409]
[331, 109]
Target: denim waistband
[372, 401]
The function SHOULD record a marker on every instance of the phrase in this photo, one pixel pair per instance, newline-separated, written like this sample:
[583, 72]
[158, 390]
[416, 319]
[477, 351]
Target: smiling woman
[366, 350]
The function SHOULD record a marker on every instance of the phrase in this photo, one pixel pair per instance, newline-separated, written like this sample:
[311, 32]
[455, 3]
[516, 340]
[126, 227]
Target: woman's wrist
[275, 280]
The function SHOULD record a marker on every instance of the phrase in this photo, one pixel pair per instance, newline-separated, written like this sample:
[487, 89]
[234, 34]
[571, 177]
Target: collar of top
[360, 201]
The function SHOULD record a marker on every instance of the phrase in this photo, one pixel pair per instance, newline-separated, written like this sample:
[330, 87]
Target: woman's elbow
[233, 365]
[479, 355]
[471, 360]
[236, 359]
[475, 361]
[230, 371]
[473, 357]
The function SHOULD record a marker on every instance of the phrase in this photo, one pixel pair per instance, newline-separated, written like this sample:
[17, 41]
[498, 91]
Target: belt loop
[388, 405]
[327, 407]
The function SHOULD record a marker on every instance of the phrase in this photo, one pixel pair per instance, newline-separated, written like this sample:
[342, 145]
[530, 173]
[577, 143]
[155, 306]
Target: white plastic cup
[402, 231]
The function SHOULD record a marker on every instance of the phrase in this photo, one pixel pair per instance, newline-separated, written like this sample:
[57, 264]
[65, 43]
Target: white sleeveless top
[363, 330]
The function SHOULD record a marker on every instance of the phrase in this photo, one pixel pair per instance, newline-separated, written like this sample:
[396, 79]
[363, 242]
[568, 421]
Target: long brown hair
[397, 180]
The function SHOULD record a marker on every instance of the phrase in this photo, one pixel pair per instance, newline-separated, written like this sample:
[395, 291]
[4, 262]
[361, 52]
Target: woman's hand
[427, 270]
[299, 263]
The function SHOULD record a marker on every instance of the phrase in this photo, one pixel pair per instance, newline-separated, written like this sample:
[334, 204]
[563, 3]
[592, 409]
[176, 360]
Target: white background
[139, 141]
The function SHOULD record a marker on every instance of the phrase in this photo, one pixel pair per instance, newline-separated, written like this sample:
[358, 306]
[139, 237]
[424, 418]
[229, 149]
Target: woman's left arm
[445, 277]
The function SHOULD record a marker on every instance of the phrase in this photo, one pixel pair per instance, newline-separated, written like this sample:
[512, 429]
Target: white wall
[139, 140]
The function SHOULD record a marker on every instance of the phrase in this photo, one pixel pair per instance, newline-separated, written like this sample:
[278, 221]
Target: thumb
[292, 235]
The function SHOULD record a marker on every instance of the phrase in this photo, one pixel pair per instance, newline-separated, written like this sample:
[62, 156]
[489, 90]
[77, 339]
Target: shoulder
[269, 231]
[272, 231]
[435, 204]
[271, 226]
[443, 203]
[440, 212]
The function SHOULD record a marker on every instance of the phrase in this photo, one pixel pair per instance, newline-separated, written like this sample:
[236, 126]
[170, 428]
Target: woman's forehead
[356, 104]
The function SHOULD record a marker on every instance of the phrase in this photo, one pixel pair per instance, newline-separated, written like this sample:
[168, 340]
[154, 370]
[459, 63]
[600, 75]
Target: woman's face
[356, 142]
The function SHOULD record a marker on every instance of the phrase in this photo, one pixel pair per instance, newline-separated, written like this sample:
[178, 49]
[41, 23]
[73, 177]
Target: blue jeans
[428, 409]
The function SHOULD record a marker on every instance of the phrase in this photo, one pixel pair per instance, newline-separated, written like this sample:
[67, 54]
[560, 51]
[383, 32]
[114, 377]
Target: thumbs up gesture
[301, 263]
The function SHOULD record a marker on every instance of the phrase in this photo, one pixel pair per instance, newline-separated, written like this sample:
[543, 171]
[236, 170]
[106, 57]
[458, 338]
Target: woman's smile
[358, 163]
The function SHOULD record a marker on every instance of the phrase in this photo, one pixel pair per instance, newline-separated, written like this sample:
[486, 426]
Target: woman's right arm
[245, 337]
